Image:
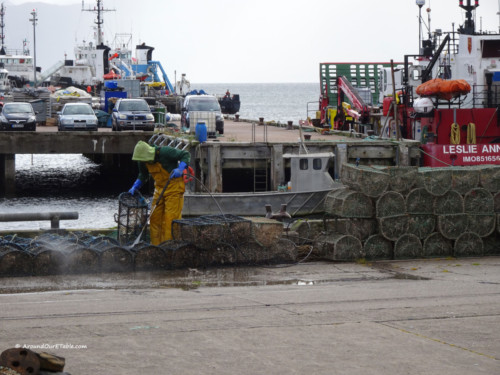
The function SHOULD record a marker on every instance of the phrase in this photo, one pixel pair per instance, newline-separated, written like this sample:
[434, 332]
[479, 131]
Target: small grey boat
[304, 195]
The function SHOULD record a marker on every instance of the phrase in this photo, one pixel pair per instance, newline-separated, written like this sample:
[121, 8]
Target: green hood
[143, 152]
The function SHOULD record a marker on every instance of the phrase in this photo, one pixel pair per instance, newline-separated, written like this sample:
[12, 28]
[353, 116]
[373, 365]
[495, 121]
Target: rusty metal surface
[24, 361]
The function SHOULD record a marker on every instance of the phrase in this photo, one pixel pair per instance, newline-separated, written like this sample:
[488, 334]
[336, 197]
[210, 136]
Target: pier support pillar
[214, 169]
[403, 155]
[7, 175]
[340, 158]
[277, 166]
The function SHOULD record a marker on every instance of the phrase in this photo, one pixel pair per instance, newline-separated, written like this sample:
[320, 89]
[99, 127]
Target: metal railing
[308, 110]
[54, 217]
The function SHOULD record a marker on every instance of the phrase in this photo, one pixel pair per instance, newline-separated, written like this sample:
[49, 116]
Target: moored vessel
[455, 115]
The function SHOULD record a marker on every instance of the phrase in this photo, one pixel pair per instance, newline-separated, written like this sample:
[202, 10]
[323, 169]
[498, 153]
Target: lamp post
[420, 4]
[34, 19]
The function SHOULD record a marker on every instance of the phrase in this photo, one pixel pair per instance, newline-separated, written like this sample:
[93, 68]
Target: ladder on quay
[260, 175]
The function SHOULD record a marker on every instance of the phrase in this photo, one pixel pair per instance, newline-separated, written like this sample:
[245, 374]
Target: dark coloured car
[18, 116]
[77, 116]
[132, 114]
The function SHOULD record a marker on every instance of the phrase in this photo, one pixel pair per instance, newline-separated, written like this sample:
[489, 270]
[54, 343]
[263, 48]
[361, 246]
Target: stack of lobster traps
[412, 212]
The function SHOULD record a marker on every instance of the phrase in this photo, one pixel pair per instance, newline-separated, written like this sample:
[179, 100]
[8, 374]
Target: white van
[202, 103]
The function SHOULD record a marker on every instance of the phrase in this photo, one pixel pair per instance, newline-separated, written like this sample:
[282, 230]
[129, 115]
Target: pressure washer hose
[137, 240]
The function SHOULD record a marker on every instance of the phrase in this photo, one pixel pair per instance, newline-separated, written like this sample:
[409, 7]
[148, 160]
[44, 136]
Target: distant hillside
[56, 30]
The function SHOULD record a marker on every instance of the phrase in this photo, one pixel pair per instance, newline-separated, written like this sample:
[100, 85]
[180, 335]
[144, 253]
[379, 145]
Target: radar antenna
[468, 28]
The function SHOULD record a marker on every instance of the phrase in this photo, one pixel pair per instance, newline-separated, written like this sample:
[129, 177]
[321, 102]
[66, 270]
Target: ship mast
[498, 16]
[99, 21]
[469, 27]
[2, 25]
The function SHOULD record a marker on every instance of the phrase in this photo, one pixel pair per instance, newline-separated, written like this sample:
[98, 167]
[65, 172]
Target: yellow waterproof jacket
[168, 157]
[169, 206]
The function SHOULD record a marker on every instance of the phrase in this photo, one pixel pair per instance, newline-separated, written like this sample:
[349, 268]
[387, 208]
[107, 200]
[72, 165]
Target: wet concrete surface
[192, 278]
[436, 316]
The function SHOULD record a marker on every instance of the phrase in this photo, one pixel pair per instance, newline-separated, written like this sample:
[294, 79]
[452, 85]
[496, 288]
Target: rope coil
[455, 134]
[471, 134]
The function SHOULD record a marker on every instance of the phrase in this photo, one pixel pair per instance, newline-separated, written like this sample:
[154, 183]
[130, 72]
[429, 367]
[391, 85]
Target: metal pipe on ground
[54, 217]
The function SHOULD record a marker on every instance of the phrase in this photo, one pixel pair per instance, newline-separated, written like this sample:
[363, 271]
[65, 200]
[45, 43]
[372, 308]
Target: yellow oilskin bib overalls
[169, 207]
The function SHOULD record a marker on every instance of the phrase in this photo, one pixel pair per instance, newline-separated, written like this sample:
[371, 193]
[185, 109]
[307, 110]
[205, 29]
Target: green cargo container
[359, 74]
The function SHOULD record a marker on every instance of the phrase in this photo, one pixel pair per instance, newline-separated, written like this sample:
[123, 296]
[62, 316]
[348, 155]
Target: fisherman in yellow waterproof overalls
[166, 165]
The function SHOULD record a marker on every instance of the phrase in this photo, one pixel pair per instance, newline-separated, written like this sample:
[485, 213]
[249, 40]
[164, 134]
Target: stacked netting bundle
[203, 241]
[411, 212]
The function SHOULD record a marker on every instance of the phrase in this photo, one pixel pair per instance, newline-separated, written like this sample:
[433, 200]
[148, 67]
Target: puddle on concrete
[188, 279]
[183, 279]
[301, 275]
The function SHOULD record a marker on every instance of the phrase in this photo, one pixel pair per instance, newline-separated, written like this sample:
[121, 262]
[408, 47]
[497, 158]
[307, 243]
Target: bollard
[236, 118]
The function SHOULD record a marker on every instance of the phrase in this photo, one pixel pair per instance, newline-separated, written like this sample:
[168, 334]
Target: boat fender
[471, 134]
[455, 134]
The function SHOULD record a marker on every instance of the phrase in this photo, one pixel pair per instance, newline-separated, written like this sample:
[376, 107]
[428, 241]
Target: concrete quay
[434, 316]
[234, 131]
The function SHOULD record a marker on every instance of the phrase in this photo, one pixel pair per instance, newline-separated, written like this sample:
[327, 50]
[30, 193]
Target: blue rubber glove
[137, 185]
[177, 172]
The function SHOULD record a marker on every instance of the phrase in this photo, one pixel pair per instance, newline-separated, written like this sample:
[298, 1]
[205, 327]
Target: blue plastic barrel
[200, 132]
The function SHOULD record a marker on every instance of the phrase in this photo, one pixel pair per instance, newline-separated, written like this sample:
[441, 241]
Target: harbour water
[73, 183]
[280, 102]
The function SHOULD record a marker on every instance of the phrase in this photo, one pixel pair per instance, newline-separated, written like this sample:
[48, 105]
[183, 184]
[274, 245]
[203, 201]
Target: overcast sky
[236, 41]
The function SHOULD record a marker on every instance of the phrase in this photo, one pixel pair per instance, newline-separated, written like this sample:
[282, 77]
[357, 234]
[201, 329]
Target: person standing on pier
[166, 165]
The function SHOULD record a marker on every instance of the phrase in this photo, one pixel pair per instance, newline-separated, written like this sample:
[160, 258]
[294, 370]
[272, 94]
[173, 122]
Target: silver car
[77, 116]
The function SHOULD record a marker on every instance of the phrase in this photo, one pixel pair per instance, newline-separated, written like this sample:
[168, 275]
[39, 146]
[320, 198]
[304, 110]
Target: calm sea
[274, 101]
[73, 183]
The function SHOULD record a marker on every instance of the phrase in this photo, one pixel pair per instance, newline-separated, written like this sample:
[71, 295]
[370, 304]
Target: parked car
[202, 103]
[17, 116]
[132, 114]
[77, 116]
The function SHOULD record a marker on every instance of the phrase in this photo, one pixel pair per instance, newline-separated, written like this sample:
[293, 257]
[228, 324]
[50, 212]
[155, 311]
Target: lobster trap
[132, 217]
[206, 231]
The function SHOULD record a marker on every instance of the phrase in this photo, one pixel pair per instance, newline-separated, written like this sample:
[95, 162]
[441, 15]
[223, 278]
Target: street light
[34, 19]
[420, 4]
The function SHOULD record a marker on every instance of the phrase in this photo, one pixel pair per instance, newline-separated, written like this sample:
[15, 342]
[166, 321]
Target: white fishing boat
[4, 80]
[96, 62]
[18, 64]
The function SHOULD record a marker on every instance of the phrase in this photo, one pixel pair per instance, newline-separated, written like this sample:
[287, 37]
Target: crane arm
[346, 88]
